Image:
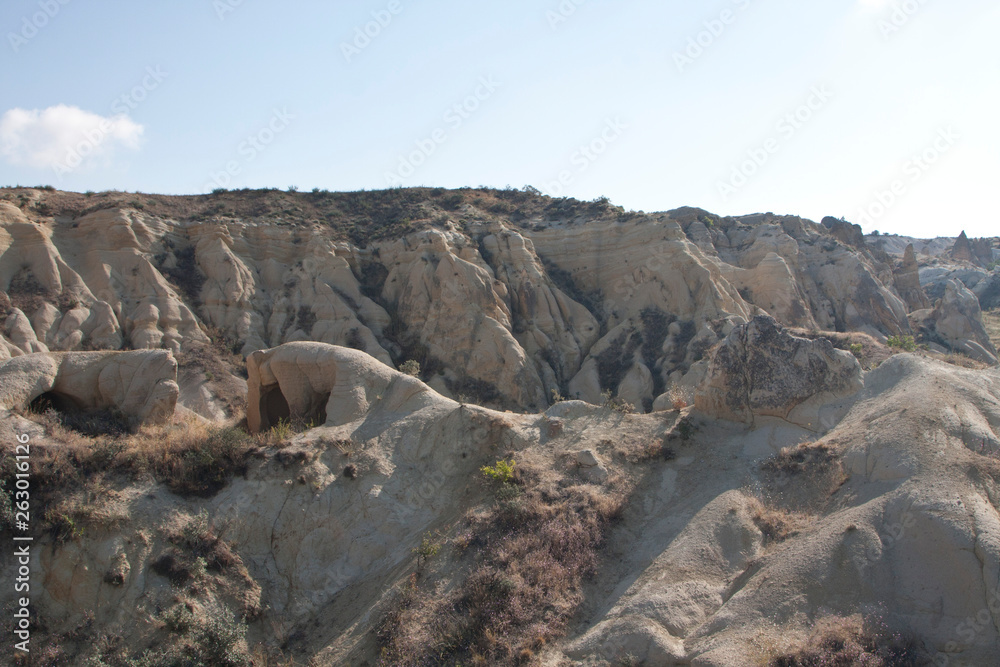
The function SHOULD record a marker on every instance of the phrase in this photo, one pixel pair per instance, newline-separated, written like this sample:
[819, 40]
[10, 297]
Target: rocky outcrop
[956, 322]
[140, 384]
[907, 277]
[962, 250]
[974, 251]
[761, 370]
[506, 306]
[322, 384]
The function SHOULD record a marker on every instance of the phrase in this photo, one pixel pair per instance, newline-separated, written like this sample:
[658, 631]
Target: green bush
[502, 472]
[904, 343]
[410, 367]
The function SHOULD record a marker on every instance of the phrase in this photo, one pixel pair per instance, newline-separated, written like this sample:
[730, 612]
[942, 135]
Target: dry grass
[803, 458]
[991, 320]
[958, 359]
[529, 553]
[777, 523]
[868, 351]
[76, 478]
[837, 642]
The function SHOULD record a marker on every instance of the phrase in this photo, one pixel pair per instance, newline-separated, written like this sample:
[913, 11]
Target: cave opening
[273, 407]
[91, 422]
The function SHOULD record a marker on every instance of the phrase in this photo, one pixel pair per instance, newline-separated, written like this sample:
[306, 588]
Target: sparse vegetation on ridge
[528, 555]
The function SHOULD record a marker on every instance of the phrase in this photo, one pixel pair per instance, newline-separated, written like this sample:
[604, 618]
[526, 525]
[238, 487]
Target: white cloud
[63, 137]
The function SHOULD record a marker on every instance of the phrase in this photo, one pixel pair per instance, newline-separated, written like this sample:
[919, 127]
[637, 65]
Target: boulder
[761, 370]
[141, 384]
[957, 323]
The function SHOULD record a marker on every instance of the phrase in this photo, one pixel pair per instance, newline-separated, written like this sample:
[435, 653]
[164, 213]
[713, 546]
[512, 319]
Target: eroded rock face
[506, 309]
[957, 323]
[141, 384]
[907, 278]
[323, 384]
[761, 370]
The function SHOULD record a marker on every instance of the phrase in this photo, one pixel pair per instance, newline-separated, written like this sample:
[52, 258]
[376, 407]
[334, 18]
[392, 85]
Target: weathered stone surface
[323, 384]
[141, 384]
[495, 308]
[956, 322]
[760, 370]
[907, 277]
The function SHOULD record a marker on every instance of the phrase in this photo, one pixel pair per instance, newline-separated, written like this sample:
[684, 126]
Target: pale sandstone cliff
[505, 297]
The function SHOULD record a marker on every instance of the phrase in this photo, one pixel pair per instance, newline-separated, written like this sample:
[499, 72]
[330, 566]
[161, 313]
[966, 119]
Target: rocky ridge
[503, 296]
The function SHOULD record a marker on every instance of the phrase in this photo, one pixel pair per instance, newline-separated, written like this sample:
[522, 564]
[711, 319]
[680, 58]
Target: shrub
[904, 343]
[857, 349]
[410, 367]
[617, 404]
[806, 456]
[679, 397]
[205, 470]
[178, 619]
[221, 642]
[427, 549]
[502, 472]
[841, 644]
[525, 583]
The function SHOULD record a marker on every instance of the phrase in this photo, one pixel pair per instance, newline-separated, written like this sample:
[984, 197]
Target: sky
[883, 112]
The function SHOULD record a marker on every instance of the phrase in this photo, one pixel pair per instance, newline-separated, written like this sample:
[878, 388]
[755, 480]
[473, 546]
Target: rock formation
[907, 278]
[141, 384]
[322, 384]
[760, 370]
[505, 304]
[798, 492]
[974, 251]
[956, 323]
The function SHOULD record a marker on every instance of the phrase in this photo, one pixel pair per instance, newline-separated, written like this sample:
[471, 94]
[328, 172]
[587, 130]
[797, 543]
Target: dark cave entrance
[53, 400]
[274, 408]
[74, 416]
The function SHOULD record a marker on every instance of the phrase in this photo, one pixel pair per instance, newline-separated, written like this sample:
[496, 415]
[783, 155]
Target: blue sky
[881, 111]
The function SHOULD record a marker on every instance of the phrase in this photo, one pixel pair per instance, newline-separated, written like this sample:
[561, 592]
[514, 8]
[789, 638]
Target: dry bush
[959, 359]
[651, 451]
[805, 457]
[991, 321]
[73, 476]
[530, 553]
[679, 397]
[843, 642]
[777, 523]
